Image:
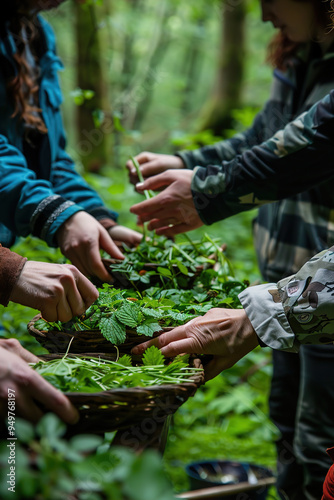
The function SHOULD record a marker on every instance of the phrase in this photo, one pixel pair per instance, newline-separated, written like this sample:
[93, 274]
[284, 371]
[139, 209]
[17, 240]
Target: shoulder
[48, 33]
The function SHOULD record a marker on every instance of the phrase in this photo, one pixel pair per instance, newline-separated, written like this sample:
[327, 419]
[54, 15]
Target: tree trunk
[226, 96]
[94, 121]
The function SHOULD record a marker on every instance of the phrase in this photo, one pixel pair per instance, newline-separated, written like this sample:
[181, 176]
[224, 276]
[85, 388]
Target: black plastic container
[211, 473]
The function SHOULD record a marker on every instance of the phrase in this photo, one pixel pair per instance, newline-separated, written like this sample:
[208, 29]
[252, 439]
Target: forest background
[164, 76]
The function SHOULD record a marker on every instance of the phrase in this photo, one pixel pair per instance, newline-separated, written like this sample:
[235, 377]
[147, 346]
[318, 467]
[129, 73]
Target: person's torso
[287, 233]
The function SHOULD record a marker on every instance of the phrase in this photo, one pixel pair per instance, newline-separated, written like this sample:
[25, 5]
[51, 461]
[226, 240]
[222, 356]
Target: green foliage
[227, 419]
[175, 264]
[76, 374]
[85, 467]
[116, 310]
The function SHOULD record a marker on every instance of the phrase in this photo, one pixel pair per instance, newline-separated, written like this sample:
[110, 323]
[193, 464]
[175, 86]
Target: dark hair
[23, 87]
[280, 49]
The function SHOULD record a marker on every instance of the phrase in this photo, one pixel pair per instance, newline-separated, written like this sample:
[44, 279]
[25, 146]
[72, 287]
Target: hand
[31, 390]
[80, 239]
[152, 164]
[122, 234]
[172, 211]
[226, 333]
[59, 291]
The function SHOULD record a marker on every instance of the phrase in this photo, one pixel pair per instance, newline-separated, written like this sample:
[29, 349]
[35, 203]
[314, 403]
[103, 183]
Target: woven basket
[84, 341]
[146, 408]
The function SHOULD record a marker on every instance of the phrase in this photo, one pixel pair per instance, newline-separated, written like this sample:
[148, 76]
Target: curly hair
[23, 87]
[280, 49]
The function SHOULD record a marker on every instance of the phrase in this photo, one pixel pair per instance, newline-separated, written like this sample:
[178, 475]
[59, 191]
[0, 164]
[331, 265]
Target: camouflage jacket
[298, 310]
[245, 171]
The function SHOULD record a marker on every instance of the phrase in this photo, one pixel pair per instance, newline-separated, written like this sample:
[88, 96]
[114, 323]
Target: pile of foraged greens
[174, 263]
[79, 374]
[116, 311]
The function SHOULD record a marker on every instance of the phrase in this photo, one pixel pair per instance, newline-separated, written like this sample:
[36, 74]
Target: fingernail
[139, 185]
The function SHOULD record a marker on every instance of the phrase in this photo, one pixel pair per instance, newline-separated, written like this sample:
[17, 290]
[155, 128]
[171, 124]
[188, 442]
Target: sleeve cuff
[265, 311]
[11, 265]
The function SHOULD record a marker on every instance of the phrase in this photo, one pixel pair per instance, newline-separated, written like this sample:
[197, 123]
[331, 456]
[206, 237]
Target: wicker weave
[122, 409]
[83, 341]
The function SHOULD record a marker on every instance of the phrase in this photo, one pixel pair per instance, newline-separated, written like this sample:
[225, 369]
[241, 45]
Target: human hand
[59, 291]
[30, 389]
[80, 239]
[152, 164]
[172, 211]
[122, 234]
[227, 334]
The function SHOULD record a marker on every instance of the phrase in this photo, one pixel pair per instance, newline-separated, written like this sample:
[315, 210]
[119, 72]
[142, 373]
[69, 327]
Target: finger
[26, 407]
[156, 182]
[163, 223]
[13, 345]
[174, 230]
[66, 310]
[97, 267]
[162, 340]
[53, 400]
[56, 309]
[107, 244]
[152, 168]
[87, 290]
[184, 346]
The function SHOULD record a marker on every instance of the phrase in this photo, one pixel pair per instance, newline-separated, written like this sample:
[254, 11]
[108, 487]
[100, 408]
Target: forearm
[298, 310]
[292, 161]
[228, 149]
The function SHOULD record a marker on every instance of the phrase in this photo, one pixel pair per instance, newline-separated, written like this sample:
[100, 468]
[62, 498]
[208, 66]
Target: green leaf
[85, 442]
[182, 267]
[125, 360]
[164, 272]
[152, 356]
[113, 330]
[148, 328]
[24, 430]
[129, 314]
[152, 313]
[50, 426]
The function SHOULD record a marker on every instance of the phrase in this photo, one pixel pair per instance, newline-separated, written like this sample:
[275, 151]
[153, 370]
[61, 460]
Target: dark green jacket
[246, 172]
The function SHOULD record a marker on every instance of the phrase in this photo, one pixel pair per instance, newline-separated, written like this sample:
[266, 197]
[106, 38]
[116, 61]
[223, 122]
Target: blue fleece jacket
[38, 191]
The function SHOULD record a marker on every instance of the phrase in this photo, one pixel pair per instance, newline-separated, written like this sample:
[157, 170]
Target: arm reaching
[226, 334]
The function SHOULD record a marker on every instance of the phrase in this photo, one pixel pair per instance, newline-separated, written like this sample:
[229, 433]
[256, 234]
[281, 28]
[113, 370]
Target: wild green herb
[174, 264]
[79, 374]
[116, 311]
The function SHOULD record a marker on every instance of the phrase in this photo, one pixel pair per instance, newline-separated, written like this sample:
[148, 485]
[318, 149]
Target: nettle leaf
[113, 330]
[152, 356]
[125, 360]
[182, 317]
[129, 314]
[152, 313]
[148, 328]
